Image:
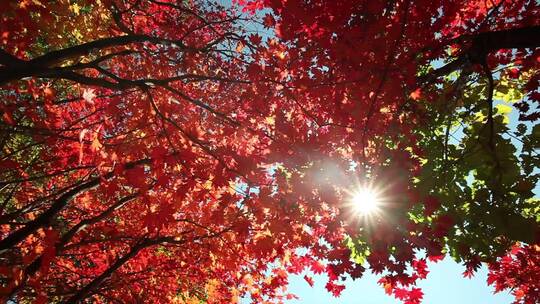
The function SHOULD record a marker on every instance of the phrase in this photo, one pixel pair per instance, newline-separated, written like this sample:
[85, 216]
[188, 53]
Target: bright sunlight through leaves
[366, 201]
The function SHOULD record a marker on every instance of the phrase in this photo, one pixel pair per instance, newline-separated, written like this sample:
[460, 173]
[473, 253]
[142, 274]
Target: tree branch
[82, 293]
[44, 218]
[485, 43]
[143, 243]
[34, 266]
[59, 204]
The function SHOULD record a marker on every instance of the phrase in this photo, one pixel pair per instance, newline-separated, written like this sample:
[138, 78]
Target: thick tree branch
[44, 219]
[44, 66]
[54, 57]
[7, 59]
[82, 293]
[144, 243]
[59, 247]
[485, 43]
[490, 104]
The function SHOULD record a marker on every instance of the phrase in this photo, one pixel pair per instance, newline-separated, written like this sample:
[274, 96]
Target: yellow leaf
[504, 110]
[207, 185]
[211, 288]
[96, 145]
[271, 120]
[281, 55]
[77, 34]
[232, 187]
[479, 116]
[75, 8]
[235, 296]
[239, 47]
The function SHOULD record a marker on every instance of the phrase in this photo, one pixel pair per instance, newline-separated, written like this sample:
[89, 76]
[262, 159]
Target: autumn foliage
[164, 151]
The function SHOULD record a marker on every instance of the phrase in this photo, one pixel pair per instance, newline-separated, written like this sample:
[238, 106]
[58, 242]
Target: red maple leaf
[335, 289]
[309, 280]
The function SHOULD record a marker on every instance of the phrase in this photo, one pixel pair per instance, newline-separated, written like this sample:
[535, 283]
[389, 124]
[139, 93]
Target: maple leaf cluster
[161, 151]
[518, 271]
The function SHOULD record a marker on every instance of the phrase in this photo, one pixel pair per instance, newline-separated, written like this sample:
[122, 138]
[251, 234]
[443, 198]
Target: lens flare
[366, 201]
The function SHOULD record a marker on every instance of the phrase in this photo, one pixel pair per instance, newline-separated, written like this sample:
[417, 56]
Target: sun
[366, 201]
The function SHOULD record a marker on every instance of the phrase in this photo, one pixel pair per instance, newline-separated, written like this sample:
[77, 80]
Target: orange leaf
[416, 94]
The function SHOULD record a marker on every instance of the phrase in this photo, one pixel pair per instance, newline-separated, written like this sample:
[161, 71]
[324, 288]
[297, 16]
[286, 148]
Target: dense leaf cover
[197, 152]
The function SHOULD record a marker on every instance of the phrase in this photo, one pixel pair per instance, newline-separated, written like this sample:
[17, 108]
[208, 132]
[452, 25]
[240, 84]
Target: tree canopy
[199, 152]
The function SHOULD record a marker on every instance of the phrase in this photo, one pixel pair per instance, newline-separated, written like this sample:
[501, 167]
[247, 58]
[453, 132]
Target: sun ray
[366, 201]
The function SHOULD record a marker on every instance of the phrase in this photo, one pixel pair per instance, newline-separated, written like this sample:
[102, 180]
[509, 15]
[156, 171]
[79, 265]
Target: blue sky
[444, 285]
